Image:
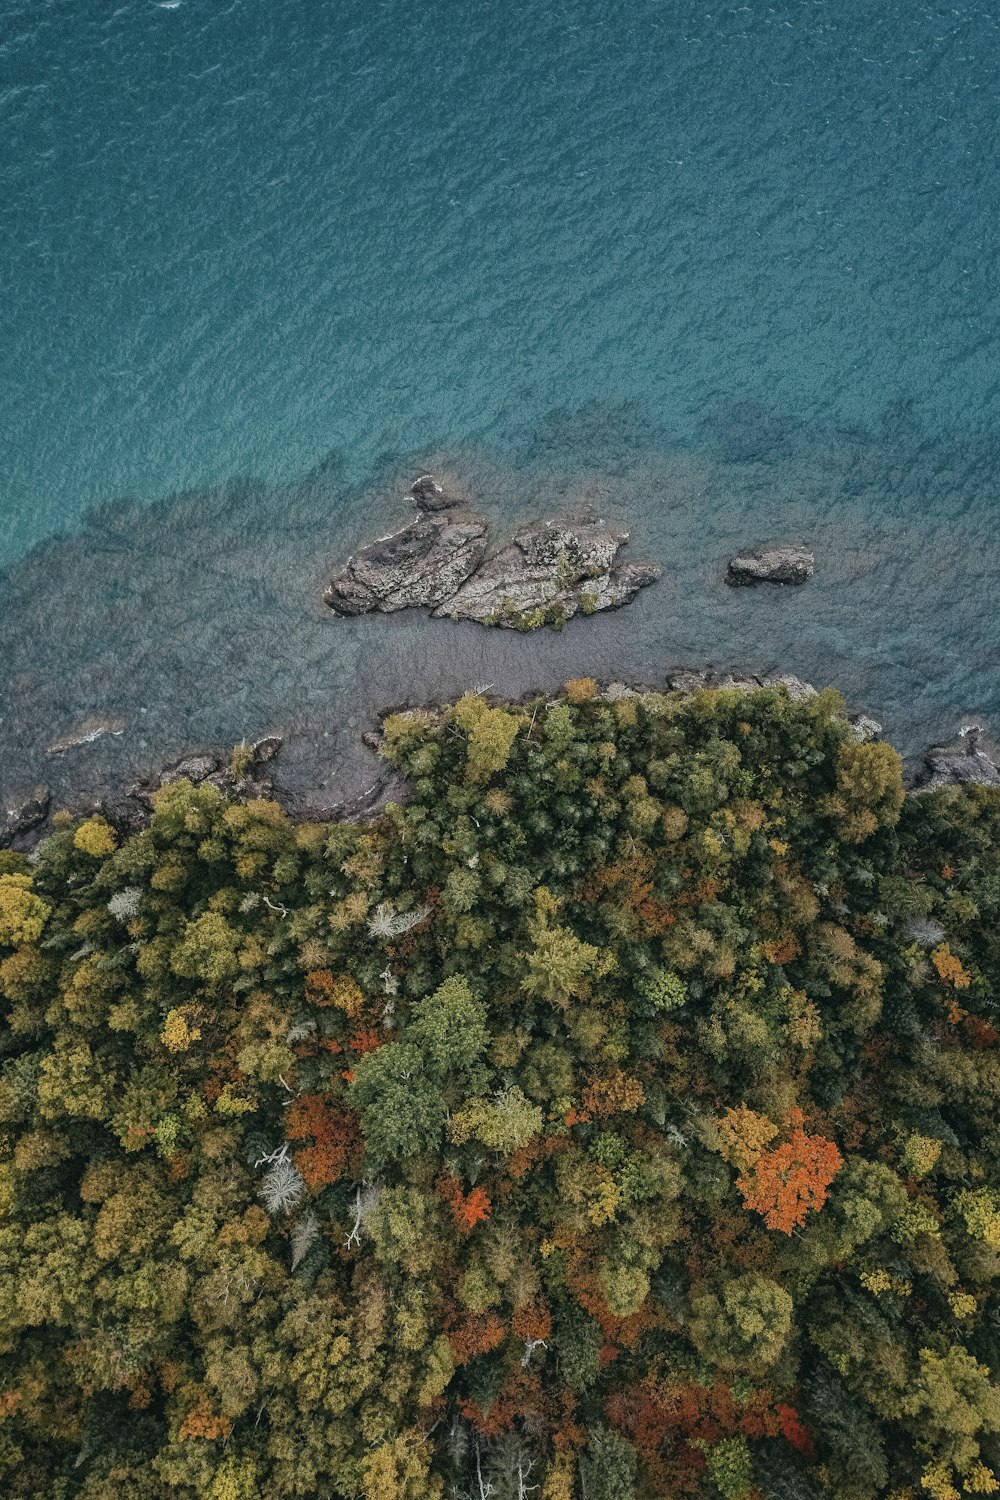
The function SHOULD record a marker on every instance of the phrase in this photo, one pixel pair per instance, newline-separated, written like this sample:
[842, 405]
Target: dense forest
[616, 1117]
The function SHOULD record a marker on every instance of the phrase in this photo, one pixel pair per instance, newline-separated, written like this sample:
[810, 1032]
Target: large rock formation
[424, 564]
[548, 572]
[972, 757]
[788, 564]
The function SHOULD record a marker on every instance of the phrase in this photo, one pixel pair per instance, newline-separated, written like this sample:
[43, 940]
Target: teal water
[731, 268]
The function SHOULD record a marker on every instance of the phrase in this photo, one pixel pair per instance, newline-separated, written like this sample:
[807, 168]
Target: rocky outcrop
[683, 681]
[788, 564]
[428, 494]
[971, 758]
[29, 814]
[423, 564]
[548, 572]
[239, 778]
[193, 768]
[864, 727]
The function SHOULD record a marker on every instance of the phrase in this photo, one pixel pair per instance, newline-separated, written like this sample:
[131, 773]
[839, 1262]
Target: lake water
[730, 270]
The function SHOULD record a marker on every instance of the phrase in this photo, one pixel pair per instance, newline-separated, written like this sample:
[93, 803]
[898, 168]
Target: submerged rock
[430, 495]
[423, 564]
[548, 572]
[971, 758]
[89, 731]
[788, 564]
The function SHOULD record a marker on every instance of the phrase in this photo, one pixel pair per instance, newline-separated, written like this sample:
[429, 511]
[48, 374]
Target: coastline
[270, 766]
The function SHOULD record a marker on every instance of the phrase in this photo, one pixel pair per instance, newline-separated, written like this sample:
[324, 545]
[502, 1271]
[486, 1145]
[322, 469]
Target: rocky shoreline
[971, 757]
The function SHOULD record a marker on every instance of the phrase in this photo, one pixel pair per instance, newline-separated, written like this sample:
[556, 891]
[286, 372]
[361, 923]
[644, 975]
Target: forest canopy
[614, 1119]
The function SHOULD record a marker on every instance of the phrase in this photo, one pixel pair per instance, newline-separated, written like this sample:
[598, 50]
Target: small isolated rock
[424, 564]
[429, 495]
[25, 816]
[971, 758]
[265, 749]
[548, 572]
[790, 564]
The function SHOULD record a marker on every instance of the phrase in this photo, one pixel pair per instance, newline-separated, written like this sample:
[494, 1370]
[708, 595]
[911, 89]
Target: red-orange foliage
[9, 1403]
[335, 1135]
[365, 1041]
[650, 1414]
[324, 988]
[492, 1422]
[628, 884]
[625, 1332]
[781, 950]
[782, 1185]
[532, 1322]
[478, 1334]
[794, 1432]
[979, 1033]
[700, 894]
[467, 1209]
[523, 1158]
[201, 1422]
[614, 1094]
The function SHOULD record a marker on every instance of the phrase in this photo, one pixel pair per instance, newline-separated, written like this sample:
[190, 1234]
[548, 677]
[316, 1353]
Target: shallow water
[200, 620]
[730, 270]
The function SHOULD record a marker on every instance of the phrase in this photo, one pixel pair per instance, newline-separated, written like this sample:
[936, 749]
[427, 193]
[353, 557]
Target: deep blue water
[732, 268]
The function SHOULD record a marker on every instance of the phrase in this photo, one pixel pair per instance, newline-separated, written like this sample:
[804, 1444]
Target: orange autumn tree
[335, 1136]
[468, 1209]
[783, 1184]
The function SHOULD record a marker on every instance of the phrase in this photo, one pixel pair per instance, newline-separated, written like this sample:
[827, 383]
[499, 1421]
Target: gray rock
[430, 495]
[792, 563]
[796, 688]
[864, 727]
[194, 768]
[972, 758]
[561, 567]
[265, 749]
[686, 681]
[25, 816]
[747, 682]
[424, 564]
